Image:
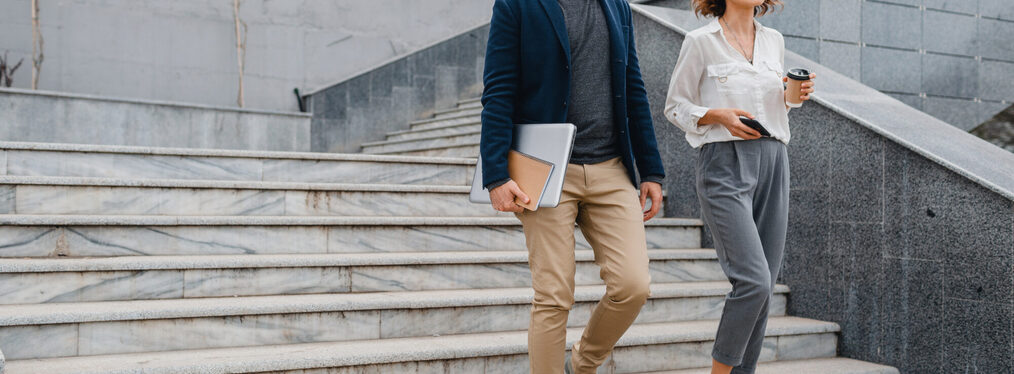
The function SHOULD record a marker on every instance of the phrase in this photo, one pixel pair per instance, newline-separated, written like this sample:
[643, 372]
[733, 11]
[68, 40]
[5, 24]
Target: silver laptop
[551, 142]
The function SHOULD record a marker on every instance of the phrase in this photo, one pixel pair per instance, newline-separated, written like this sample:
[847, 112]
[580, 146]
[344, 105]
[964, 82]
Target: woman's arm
[806, 88]
[681, 104]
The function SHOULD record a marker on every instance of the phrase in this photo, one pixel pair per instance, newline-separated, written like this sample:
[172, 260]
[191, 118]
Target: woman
[730, 68]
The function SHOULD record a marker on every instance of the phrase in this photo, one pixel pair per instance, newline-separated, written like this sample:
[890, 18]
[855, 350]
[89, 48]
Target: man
[573, 61]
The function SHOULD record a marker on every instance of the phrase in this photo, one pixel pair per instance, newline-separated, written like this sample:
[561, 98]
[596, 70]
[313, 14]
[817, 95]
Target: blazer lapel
[559, 24]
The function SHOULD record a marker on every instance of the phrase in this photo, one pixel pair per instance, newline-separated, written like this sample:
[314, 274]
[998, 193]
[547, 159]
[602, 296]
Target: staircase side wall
[368, 106]
[914, 259]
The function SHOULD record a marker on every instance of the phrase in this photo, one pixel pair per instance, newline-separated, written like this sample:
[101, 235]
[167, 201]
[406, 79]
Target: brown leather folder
[531, 175]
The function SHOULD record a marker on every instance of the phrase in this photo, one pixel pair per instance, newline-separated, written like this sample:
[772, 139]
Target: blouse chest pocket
[773, 67]
[729, 77]
[772, 76]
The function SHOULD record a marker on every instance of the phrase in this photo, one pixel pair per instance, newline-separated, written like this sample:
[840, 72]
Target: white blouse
[711, 73]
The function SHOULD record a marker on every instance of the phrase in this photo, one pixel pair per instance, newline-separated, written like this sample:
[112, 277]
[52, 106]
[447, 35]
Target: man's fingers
[521, 195]
[644, 197]
[655, 206]
[651, 213]
[510, 207]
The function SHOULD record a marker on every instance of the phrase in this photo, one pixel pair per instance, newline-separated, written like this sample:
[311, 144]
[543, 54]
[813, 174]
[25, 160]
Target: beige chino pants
[603, 202]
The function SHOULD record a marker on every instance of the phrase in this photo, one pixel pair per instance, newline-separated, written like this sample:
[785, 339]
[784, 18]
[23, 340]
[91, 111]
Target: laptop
[550, 142]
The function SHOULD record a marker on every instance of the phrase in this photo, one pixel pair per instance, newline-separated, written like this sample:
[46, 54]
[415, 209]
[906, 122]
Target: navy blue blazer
[527, 80]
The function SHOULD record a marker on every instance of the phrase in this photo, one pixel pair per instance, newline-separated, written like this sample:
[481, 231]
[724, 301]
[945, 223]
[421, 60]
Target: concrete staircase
[120, 259]
[450, 133]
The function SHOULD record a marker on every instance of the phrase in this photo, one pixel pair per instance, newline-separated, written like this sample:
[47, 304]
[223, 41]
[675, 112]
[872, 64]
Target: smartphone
[753, 124]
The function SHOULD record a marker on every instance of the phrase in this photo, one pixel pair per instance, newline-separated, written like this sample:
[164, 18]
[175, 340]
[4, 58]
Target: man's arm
[642, 131]
[501, 83]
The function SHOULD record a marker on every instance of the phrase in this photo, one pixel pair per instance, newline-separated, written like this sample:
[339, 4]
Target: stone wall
[55, 117]
[897, 231]
[184, 50]
[385, 99]
[951, 59]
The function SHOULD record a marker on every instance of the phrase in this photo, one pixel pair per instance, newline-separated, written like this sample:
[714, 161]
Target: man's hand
[502, 197]
[653, 191]
[729, 117]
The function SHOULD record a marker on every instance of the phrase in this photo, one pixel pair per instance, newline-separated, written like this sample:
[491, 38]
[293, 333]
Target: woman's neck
[739, 19]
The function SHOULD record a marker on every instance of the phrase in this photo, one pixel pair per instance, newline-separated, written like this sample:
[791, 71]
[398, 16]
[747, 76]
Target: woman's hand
[805, 89]
[729, 117]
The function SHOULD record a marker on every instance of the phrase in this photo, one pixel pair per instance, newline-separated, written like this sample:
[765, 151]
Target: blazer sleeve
[642, 136]
[500, 78]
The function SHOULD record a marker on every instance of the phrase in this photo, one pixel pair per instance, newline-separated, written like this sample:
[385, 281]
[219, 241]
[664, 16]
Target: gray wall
[55, 117]
[385, 99]
[184, 50]
[953, 59]
[914, 260]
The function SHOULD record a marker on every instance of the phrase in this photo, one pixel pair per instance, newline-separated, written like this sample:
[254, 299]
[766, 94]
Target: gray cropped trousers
[743, 187]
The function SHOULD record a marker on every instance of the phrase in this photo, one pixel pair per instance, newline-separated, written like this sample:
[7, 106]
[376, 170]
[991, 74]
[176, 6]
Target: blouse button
[723, 79]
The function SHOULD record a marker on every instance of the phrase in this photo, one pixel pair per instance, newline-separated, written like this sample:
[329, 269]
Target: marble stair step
[56, 280]
[407, 145]
[465, 150]
[457, 112]
[86, 195]
[645, 347]
[64, 329]
[835, 365]
[475, 101]
[77, 160]
[436, 131]
[97, 236]
[470, 104]
[446, 121]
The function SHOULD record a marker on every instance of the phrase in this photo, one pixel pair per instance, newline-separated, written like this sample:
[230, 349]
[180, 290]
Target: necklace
[736, 38]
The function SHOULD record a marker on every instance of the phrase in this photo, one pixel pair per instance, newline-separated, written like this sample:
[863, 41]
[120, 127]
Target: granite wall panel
[367, 107]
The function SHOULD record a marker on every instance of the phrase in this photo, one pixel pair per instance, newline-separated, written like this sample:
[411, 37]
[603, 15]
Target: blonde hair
[716, 8]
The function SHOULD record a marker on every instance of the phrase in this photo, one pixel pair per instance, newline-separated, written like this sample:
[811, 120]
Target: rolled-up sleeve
[682, 105]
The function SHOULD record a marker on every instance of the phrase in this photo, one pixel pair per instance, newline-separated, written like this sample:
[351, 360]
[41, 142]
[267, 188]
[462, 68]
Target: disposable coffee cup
[796, 78]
